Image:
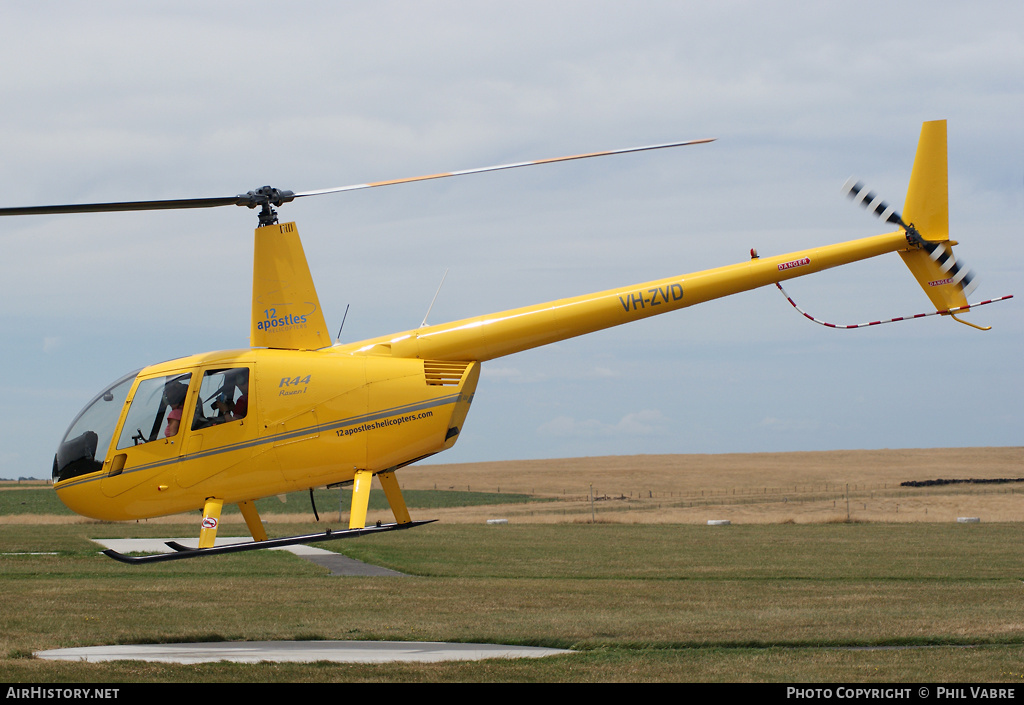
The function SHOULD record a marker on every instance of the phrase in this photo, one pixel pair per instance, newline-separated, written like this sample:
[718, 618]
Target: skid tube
[181, 551]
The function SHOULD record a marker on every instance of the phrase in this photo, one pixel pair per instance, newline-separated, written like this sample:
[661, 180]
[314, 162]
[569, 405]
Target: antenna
[343, 321]
[434, 299]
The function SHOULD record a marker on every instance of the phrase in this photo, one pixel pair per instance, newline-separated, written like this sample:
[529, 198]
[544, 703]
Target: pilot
[174, 393]
[237, 410]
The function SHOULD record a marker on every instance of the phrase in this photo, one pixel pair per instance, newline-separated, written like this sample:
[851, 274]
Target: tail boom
[499, 334]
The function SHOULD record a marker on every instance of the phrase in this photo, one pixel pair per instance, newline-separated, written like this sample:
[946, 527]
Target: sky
[112, 101]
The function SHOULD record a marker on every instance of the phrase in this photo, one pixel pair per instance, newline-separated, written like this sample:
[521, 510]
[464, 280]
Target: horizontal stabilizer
[946, 282]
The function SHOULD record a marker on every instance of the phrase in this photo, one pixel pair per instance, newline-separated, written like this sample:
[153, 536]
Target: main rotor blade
[356, 187]
[126, 206]
[268, 196]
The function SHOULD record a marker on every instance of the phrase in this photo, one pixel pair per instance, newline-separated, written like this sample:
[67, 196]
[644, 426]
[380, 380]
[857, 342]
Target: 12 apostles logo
[273, 321]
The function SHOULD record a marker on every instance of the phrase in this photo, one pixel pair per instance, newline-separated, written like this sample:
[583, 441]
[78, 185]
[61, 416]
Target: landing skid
[186, 552]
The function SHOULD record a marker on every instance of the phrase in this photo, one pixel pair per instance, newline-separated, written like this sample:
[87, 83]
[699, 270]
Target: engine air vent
[443, 373]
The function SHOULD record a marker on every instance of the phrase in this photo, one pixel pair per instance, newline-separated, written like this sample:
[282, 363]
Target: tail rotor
[925, 221]
[931, 261]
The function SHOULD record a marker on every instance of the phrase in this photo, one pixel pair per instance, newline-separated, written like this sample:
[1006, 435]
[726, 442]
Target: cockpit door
[149, 438]
[221, 426]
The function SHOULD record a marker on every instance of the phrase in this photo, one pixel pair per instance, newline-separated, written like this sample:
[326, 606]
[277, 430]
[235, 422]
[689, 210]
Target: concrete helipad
[335, 562]
[299, 652]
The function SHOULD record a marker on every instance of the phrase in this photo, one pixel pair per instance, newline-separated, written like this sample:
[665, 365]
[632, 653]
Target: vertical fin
[927, 204]
[286, 311]
[946, 282]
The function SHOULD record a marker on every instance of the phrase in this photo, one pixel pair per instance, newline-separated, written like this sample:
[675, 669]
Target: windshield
[91, 432]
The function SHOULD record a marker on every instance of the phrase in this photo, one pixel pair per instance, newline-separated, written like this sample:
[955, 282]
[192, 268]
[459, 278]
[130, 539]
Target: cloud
[648, 422]
[516, 375]
[794, 425]
[510, 374]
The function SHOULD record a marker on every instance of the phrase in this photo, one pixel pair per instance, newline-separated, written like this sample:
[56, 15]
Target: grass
[330, 500]
[43, 500]
[784, 602]
[791, 592]
[31, 500]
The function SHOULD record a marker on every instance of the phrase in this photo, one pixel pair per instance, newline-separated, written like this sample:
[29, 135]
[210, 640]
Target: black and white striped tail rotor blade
[942, 254]
[871, 201]
[969, 281]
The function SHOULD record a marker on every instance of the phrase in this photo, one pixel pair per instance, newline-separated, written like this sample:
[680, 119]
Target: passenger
[174, 393]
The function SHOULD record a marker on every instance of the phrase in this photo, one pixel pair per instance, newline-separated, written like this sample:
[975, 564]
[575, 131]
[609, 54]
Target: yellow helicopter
[293, 411]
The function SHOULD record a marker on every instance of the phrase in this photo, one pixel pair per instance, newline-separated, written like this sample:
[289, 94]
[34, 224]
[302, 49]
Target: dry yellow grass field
[742, 487]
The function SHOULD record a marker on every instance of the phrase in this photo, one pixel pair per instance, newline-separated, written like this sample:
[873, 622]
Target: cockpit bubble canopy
[92, 431]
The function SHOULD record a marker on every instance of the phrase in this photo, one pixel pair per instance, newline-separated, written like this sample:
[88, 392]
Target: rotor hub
[265, 198]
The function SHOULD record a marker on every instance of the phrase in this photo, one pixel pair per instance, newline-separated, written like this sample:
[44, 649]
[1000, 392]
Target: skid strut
[180, 551]
[357, 524]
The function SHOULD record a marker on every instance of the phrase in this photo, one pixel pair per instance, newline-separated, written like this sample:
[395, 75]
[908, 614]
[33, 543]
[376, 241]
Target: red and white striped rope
[890, 320]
